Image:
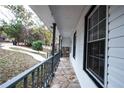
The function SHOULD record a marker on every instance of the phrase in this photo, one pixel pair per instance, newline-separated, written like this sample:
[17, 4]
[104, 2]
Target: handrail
[45, 69]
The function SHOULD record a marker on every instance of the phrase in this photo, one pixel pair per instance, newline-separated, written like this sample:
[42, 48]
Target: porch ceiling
[44, 13]
[66, 17]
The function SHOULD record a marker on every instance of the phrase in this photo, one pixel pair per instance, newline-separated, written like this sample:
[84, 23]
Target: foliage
[29, 41]
[21, 14]
[19, 28]
[1, 27]
[37, 45]
[38, 33]
[33, 35]
[13, 30]
[48, 37]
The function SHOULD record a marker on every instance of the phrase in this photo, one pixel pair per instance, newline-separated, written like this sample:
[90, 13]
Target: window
[74, 45]
[95, 50]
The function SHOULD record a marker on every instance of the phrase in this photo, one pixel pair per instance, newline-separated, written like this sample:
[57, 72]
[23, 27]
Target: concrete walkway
[34, 55]
[65, 76]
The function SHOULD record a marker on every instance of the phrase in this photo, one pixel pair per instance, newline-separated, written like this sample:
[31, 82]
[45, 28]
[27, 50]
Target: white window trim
[106, 49]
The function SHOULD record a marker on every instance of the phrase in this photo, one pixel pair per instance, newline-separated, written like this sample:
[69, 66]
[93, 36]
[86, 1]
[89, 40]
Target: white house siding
[77, 63]
[66, 42]
[115, 49]
[116, 46]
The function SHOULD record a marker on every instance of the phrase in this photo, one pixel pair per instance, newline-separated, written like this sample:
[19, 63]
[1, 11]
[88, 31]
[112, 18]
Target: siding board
[116, 23]
[116, 46]
[115, 42]
[116, 52]
[117, 32]
[114, 8]
[116, 12]
[115, 62]
[113, 83]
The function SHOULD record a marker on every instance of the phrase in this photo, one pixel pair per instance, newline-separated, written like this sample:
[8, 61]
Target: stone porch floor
[65, 76]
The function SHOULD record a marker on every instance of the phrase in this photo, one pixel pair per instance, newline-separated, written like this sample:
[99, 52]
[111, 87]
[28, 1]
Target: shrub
[29, 41]
[37, 45]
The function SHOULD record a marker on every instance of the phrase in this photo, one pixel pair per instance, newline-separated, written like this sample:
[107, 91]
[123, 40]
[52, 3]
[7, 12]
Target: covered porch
[56, 71]
[42, 76]
[65, 76]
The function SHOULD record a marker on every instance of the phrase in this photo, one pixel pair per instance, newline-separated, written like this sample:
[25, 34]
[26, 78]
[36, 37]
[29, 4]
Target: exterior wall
[114, 52]
[66, 42]
[116, 46]
[77, 63]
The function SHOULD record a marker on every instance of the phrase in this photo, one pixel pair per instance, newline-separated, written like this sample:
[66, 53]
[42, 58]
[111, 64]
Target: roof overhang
[65, 16]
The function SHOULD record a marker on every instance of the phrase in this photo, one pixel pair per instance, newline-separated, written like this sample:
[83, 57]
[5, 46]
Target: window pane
[95, 18]
[90, 35]
[95, 33]
[90, 50]
[96, 49]
[90, 62]
[90, 23]
[101, 69]
[95, 60]
[102, 12]
[102, 49]
[102, 29]
[96, 65]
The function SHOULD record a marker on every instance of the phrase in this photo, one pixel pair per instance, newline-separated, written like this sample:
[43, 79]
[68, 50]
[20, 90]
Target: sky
[8, 16]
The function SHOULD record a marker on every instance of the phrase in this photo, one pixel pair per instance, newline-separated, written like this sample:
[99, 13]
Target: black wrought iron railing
[38, 76]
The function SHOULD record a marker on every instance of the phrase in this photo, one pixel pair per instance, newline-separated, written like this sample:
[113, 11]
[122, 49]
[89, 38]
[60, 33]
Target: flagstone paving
[65, 76]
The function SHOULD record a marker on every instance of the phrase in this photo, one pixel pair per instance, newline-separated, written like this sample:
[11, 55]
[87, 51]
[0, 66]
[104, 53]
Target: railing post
[33, 79]
[42, 76]
[53, 47]
[60, 45]
[38, 77]
[25, 82]
[14, 86]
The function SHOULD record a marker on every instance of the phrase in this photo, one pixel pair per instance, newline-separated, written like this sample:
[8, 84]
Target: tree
[17, 26]
[24, 20]
[33, 34]
[21, 14]
[40, 33]
[1, 27]
[13, 30]
[48, 37]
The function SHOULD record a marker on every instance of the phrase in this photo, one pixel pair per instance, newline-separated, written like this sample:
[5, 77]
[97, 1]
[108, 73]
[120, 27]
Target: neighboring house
[95, 35]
